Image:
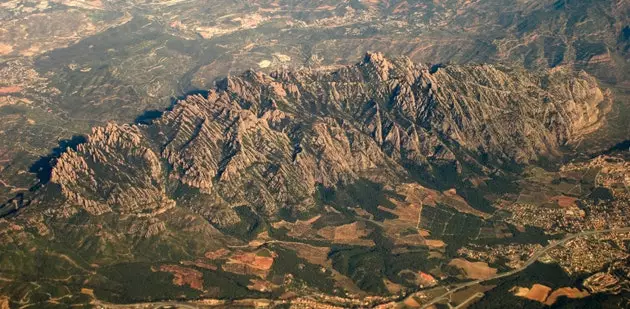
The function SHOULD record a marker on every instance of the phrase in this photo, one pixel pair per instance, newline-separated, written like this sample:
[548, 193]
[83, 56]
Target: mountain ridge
[365, 180]
[278, 136]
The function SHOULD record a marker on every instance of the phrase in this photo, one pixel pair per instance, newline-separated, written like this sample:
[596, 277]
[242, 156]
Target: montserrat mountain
[269, 140]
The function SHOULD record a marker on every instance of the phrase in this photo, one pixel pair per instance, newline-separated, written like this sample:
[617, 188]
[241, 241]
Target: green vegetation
[363, 194]
[305, 274]
[550, 275]
[136, 282]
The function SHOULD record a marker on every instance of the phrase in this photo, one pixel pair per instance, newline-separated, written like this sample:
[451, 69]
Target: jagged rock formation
[267, 141]
[114, 170]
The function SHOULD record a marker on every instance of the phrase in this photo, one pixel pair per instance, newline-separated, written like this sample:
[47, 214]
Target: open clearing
[474, 270]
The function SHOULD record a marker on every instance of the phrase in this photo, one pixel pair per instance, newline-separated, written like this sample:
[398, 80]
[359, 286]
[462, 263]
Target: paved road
[529, 262]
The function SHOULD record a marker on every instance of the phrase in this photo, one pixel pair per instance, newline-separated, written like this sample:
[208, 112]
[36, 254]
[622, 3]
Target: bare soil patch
[564, 201]
[544, 294]
[254, 260]
[568, 292]
[261, 285]
[312, 254]
[184, 276]
[411, 302]
[474, 270]
[88, 292]
[218, 254]
[10, 89]
[249, 263]
[538, 292]
[434, 243]
[392, 287]
[347, 234]
[5, 49]
[299, 228]
[4, 302]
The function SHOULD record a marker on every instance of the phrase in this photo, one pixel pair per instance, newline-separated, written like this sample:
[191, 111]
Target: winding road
[529, 262]
[453, 289]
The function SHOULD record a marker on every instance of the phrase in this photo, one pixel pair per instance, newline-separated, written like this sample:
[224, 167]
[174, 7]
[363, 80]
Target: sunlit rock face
[270, 140]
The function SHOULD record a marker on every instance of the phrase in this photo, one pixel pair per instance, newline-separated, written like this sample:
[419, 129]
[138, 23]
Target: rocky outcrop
[114, 170]
[267, 141]
[511, 114]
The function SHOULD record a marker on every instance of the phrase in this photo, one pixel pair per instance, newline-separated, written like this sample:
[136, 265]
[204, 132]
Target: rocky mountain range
[268, 141]
[352, 151]
[114, 60]
[231, 153]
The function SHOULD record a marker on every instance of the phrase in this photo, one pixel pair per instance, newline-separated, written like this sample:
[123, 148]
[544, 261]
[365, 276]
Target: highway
[529, 262]
[453, 289]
